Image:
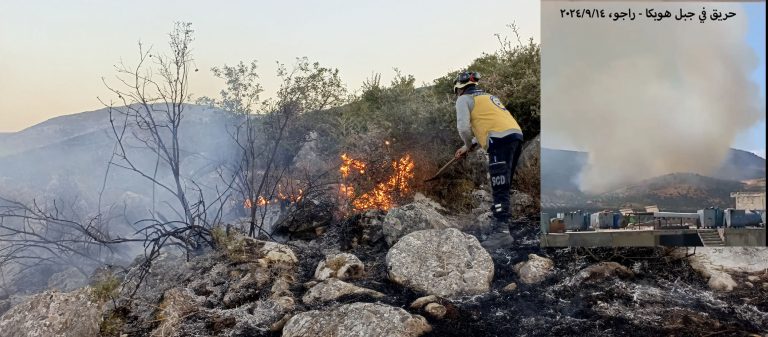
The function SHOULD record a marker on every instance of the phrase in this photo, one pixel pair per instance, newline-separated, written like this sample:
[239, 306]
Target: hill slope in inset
[740, 171]
[676, 191]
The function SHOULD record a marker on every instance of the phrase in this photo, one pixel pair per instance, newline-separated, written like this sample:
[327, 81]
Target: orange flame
[383, 194]
[347, 164]
[281, 196]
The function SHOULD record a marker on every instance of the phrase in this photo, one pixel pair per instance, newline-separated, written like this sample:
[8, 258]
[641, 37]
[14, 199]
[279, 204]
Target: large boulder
[535, 270]
[409, 218]
[359, 320]
[443, 262]
[54, 314]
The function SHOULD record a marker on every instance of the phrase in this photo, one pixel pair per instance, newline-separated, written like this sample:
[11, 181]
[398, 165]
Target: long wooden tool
[448, 164]
[442, 169]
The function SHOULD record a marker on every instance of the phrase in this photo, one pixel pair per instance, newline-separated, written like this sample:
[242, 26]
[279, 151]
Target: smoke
[646, 98]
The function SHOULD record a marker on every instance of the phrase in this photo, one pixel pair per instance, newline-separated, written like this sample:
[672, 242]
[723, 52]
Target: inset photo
[653, 124]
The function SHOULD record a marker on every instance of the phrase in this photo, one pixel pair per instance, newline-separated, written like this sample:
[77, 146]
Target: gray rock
[422, 301]
[282, 287]
[600, 271]
[483, 221]
[531, 152]
[242, 288]
[535, 270]
[510, 288]
[10, 302]
[436, 310]
[422, 199]
[719, 265]
[358, 320]
[498, 240]
[721, 281]
[522, 204]
[481, 201]
[482, 196]
[409, 218]
[332, 289]
[446, 262]
[54, 314]
[263, 315]
[341, 266]
[278, 326]
[67, 280]
[368, 229]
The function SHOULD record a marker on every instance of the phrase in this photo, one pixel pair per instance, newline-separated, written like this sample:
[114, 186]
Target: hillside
[53, 131]
[742, 170]
[741, 165]
[562, 167]
[67, 158]
[676, 191]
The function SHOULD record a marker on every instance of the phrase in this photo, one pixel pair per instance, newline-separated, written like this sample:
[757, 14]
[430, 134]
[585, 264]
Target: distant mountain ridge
[677, 191]
[53, 130]
[741, 165]
[563, 166]
[680, 191]
[69, 156]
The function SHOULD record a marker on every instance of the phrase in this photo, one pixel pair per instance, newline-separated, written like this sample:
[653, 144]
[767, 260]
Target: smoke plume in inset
[646, 98]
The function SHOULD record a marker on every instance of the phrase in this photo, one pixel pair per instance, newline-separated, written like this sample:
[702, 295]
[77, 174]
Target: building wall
[745, 237]
[749, 200]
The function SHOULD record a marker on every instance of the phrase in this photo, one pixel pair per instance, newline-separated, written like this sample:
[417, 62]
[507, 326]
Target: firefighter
[482, 119]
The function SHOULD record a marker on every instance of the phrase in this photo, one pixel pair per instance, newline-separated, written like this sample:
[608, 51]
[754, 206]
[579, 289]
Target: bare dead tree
[35, 235]
[153, 99]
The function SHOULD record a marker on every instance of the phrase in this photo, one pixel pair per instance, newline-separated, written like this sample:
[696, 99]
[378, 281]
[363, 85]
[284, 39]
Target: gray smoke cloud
[646, 98]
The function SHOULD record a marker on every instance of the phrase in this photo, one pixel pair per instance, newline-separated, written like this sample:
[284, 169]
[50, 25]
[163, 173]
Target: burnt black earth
[666, 297]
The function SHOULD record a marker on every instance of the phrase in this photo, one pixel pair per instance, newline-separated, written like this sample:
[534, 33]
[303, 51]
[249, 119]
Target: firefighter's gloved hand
[461, 152]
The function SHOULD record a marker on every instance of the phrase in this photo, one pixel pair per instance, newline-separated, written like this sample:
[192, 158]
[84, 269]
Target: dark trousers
[503, 154]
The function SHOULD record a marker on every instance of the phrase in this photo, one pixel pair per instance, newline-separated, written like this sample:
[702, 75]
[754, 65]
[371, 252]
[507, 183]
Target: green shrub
[106, 288]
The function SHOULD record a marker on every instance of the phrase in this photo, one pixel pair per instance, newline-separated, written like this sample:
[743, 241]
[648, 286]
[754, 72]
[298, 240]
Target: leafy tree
[269, 133]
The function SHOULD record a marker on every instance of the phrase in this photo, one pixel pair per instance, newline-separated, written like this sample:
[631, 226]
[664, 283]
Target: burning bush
[382, 192]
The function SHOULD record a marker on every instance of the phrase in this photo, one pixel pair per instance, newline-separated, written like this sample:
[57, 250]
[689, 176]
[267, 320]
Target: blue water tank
[616, 220]
[741, 218]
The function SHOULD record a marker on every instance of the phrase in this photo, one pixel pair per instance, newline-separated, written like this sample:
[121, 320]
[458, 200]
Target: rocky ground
[415, 271]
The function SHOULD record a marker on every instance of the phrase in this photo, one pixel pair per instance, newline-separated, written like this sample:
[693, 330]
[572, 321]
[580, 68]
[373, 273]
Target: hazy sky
[754, 139]
[54, 53]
